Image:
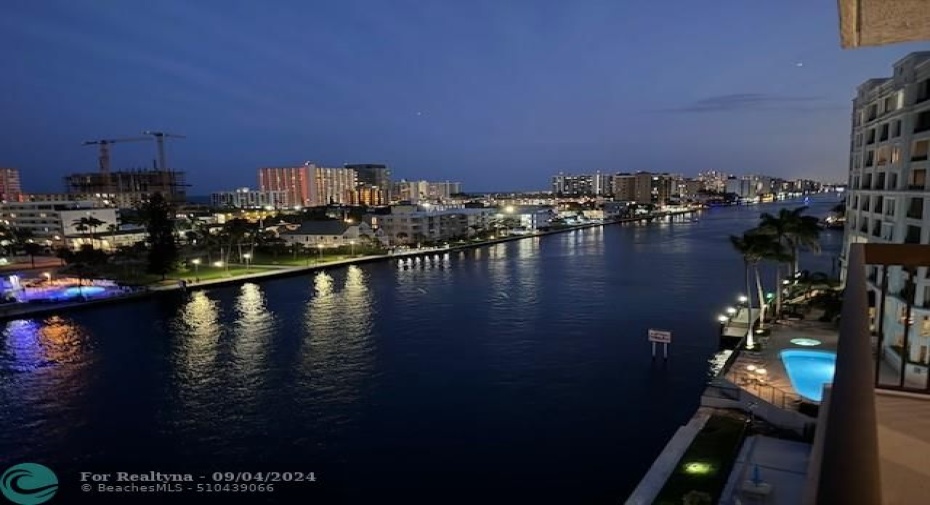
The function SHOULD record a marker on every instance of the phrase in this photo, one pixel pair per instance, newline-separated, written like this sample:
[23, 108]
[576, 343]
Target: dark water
[518, 373]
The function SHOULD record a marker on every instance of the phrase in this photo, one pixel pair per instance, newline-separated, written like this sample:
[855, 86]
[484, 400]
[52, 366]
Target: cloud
[755, 101]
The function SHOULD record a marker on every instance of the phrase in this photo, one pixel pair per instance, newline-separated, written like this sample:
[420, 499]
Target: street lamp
[743, 299]
[48, 276]
[731, 310]
[320, 248]
[218, 264]
[352, 243]
[722, 318]
[248, 262]
[196, 263]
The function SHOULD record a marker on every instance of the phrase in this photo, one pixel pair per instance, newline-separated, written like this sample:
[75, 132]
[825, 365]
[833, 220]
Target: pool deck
[775, 383]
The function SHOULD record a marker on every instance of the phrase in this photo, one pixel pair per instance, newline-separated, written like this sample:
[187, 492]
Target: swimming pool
[809, 371]
[87, 291]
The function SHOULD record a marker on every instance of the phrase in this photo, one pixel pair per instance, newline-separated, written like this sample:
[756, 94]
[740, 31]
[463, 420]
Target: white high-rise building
[887, 199]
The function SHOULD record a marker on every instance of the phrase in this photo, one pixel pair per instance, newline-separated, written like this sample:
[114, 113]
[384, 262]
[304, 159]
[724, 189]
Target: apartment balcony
[874, 417]
[916, 187]
[919, 157]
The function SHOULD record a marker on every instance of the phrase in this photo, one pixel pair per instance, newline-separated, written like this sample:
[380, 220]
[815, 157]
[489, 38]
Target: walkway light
[743, 299]
[723, 318]
[731, 310]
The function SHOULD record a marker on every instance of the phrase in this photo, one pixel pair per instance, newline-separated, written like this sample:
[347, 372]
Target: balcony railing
[898, 363]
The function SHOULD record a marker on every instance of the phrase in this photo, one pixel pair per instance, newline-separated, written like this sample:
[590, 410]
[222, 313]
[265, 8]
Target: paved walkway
[781, 468]
[739, 324]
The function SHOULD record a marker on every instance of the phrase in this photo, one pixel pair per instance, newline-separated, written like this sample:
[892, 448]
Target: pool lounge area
[790, 367]
[61, 290]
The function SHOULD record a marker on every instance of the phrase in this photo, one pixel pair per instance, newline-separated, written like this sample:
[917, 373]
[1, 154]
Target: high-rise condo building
[11, 190]
[568, 185]
[333, 186]
[887, 200]
[374, 183]
[294, 182]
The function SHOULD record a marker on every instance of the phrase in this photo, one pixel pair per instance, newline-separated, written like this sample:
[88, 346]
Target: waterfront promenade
[265, 271]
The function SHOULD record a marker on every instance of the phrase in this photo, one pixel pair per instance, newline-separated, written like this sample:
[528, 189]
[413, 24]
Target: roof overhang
[880, 22]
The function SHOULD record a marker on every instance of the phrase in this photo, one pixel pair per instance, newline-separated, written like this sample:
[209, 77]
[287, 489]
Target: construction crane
[160, 140]
[104, 158]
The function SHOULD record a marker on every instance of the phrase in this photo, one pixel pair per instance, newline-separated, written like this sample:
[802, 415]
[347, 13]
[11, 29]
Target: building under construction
[126, 188]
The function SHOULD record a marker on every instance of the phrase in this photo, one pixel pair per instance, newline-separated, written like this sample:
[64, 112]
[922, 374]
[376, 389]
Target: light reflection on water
[47, 366]
[255, 325]
[337, 350]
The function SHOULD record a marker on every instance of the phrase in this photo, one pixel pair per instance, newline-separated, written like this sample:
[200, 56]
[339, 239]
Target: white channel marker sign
[660, 336]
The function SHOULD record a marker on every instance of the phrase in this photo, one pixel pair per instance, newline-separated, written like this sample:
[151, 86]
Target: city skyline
[496, 96]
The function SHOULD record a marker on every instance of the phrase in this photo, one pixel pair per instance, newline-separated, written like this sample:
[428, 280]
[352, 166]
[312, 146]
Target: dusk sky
[498, 94]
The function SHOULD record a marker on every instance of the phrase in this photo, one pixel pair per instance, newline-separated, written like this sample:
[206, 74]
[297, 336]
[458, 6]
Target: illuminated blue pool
[84, 290]
[809, 371]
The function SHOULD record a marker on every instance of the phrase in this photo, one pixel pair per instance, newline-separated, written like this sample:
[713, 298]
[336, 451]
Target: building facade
[636, 187]
[294, 182]
[411, 224]
[128, 188]
[374, 183]
[331, 233]
[52, 222]
[333, 186]
[887, 198]
[598, 184]
[245, 198]
[11, 189]
[425, 191]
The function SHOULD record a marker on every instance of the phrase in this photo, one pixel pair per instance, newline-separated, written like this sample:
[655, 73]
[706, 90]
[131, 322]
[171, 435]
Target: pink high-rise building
[293, 181]
[11, 190]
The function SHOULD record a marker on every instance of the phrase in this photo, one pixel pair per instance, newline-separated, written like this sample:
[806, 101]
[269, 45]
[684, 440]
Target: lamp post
[352, 243]
[196, 263]
[248, 261]
[320, 249]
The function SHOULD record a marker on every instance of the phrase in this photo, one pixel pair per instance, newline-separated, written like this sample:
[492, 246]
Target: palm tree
[93, 223]
[780, 227]
[81, 226]
[779, 254]
[754, 247]
[798, 231]
[32, 249]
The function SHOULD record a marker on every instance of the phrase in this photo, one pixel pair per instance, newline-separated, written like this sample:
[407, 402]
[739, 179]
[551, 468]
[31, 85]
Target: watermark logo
[28, 484]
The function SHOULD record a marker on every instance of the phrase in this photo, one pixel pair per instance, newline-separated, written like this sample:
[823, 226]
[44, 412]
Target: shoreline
[268, 272]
